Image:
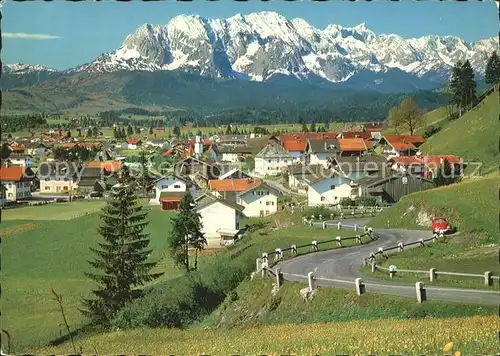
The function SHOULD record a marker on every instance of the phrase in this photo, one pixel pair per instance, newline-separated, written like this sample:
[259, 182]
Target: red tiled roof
[294, 145]
[405, 138]
[352, 144]
[168, 153]
[15, 147]
[110, 166]
[170, 198]
[133, 142]
[357, 134]
[407, 160]
[434, 161]
[403, 145]
[13, 173]
[234, 185]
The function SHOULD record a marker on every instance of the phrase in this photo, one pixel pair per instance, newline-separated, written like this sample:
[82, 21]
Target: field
[53, 211]
[473, 136]
[44, 250]
[469, 335]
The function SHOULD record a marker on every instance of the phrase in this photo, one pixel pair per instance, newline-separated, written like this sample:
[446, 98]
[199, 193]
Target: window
[10, 195]
[332, 187]
[47, 188]
[269, 161]
[177, 186]
[336, 198]
[267, 193]
[323, 199]
[286, 161]
[164, 186]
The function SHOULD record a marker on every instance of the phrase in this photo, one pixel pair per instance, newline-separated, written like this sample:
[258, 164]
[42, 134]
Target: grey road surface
[340, 267]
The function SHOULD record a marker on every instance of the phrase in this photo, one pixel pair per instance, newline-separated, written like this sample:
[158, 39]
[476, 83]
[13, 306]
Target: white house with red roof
[16, 181]
[131, 144]
[400, 145]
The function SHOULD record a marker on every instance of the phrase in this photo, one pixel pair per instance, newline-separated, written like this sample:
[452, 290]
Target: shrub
[366, 201]
[347, 202]
[431, 130]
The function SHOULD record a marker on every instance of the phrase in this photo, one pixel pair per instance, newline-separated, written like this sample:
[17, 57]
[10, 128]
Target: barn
[391, 187]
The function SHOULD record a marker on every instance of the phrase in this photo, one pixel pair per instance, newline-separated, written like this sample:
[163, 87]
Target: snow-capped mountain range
[263, 45]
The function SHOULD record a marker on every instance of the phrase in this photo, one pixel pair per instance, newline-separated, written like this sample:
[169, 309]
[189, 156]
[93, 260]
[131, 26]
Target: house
[220, 219]
[356, 167]
[202, 147]
[16, 148]
[37, 149]
[390, 186]
[158, 143]
[3, 194]
[233, 140]
[257, 198]
[16, 182]
[91, 181]
[299, 174]
[170, 189]
[236, 153]
[320, 151]
[109, 167]
[365, 135]
[198, 171]
[272, 159]
[433, 162]
[235, 173]
[131, 144]
[17, 159]
[329, 189]
[403, 145]
[407, 164]
[58, 177]
[296, 147]
[354, 146]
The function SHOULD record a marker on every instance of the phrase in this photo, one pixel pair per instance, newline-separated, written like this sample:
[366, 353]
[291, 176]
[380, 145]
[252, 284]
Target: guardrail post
[320, 217]
[392, 271]
[339, 241]
[381, 250]
[370, 232]
[434, 237]
[358, 238]
[374, 266]
[339, 225]
[312, 281]
[265, 263]
[294, 249]
[341, 215]
[311, 222]
[258, 264]
[360, 286]
[421, 292]
[421, 242]
[432, 274]
[401, 246]
[324, 224]
[279, 278]
[441, 235]
[331, 216]
[315, 246]
[355, 227]
[365, 229]
[279, 254]
[487, 278]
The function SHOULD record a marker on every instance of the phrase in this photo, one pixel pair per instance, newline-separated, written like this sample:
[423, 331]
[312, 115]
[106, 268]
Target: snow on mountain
[261, 45]
[21, 68]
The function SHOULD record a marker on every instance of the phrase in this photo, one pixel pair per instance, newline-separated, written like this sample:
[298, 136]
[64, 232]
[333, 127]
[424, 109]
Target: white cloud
[29, 36]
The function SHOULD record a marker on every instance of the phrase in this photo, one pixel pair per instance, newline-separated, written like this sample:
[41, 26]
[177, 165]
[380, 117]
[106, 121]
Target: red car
[440, 224]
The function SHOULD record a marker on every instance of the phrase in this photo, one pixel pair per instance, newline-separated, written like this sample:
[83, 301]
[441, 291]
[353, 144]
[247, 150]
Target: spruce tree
[130, 130]
[121, 258]
[469, 84]
[492, 73]
[186, 232]
[444, 174]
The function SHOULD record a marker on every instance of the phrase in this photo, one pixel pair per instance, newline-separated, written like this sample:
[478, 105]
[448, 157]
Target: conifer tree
[122, 258]
[186, 232]
[492, 73]
[130, 130]
[444, 175]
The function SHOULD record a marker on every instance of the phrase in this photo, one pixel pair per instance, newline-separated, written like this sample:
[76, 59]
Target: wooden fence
[487, 276]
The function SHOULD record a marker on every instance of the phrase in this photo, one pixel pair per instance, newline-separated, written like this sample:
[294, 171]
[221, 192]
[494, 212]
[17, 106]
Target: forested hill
[204, 98]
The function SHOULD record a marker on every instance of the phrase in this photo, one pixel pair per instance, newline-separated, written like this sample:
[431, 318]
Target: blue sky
[85, 30]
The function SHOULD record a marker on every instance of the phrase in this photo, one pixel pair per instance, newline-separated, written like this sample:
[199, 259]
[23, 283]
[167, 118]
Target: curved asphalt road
[339, 268]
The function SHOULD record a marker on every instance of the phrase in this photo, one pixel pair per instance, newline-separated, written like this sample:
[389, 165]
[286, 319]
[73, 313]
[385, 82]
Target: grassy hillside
[42, 249]
[471, 206]
[474, 136]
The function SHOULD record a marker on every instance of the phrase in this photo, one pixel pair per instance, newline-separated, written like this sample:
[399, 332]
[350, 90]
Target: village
[229, 176]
